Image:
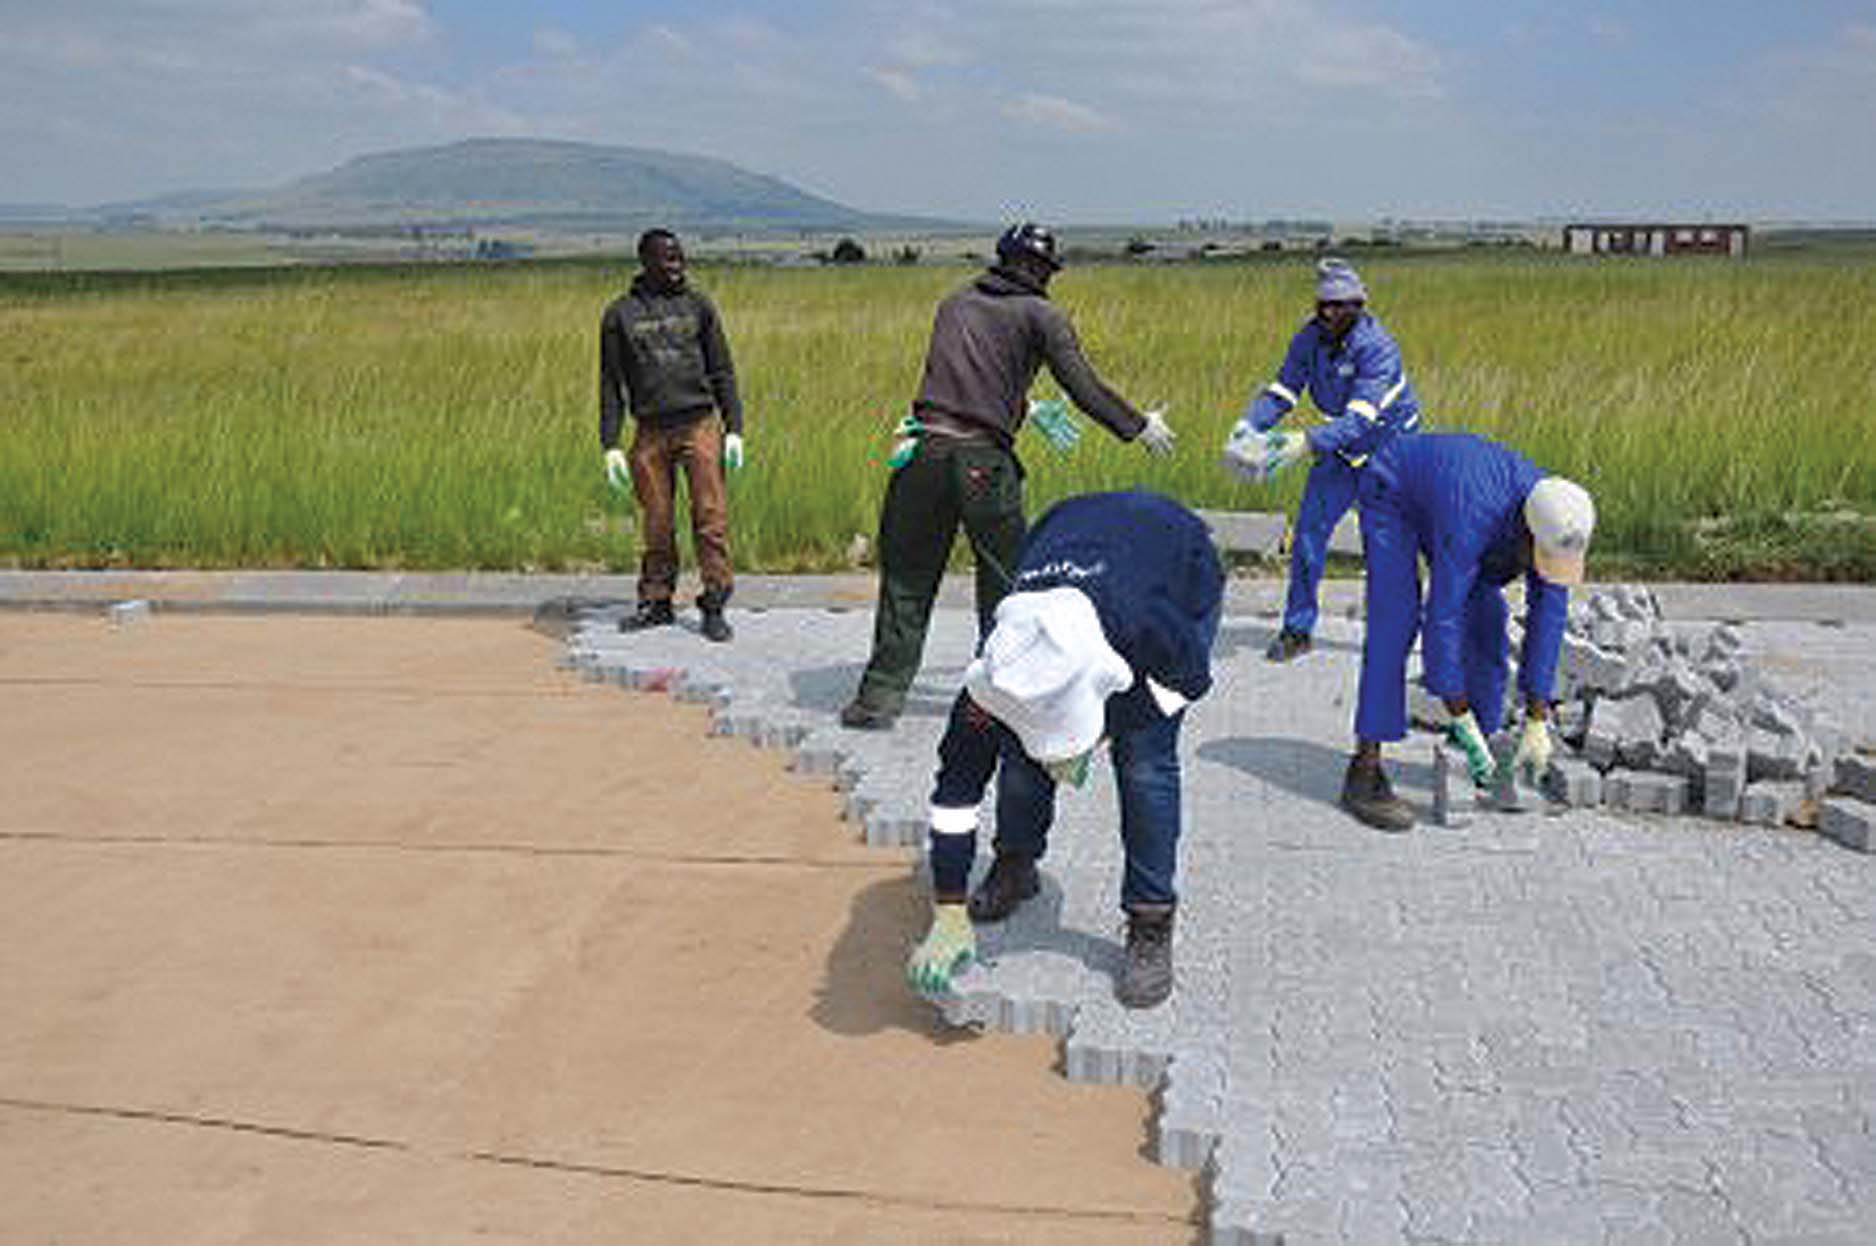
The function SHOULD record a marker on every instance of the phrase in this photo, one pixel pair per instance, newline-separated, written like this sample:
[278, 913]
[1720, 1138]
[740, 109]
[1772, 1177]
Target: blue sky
[1068, 110]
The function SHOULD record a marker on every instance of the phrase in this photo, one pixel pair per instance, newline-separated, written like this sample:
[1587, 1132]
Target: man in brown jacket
[662, 349]
[988, 341]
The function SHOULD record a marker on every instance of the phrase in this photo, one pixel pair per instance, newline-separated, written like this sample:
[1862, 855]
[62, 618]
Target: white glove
[1157, 436]
[618, 472]
[733, 450]
[1464, 732]
[1534, 749]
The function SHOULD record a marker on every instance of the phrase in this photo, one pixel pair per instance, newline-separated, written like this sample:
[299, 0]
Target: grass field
[1723, 413]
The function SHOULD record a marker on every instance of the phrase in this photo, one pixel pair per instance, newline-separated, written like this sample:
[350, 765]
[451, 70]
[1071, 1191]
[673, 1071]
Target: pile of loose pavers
[1666, 718]
[1568, 1024]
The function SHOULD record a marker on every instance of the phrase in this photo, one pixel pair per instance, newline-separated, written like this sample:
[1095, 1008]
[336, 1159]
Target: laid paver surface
[1544, 1027]
[372, 930]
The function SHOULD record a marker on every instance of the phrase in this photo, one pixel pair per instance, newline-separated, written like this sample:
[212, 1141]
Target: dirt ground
[385, 930]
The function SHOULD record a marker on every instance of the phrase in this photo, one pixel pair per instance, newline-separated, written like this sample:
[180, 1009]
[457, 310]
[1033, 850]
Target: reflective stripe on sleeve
[1387, 399]
[1365, 409]
[953, 821]
[1277, 389]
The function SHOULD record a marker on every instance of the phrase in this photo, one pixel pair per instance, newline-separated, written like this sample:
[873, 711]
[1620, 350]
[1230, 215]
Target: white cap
[1561, 518]
[1046, 672]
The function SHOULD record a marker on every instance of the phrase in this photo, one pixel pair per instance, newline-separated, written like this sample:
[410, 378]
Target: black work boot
[1289, 644]
[861, 716]
[715, 626]
[1012, 879]
[1148, 978]
[1367, 794]
[648, 614]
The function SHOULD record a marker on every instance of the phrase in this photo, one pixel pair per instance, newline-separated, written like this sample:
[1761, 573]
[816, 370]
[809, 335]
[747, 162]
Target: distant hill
[520, 183]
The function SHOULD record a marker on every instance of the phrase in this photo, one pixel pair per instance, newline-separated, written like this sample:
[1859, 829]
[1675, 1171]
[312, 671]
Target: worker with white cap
[1350, 367]
[1106, 636]
[1480, 514]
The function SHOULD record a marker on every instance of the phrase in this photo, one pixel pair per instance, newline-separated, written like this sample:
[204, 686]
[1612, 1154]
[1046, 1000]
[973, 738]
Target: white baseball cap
[1561, 517]
[1046, 672]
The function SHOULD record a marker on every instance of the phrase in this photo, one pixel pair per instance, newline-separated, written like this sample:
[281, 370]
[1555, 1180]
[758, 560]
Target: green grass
[1723, 413]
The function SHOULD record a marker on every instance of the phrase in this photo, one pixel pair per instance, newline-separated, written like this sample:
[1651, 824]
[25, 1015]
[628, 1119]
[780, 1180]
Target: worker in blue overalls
[1351, 368]
[1480, 514]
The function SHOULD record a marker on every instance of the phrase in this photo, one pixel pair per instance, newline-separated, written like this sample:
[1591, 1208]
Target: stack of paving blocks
[1664, 719]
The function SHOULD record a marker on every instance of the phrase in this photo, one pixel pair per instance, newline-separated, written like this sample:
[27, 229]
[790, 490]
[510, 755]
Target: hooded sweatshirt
[989, 339]
[664, 352]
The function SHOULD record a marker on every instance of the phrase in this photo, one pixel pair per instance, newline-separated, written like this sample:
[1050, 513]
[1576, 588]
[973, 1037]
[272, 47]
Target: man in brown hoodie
[662, 352]
[989, 339]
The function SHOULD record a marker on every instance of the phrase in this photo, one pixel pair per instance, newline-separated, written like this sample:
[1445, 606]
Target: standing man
[662, 350]
[1480, 514]
[988, 341]
[1351, 368]
[1106, 635]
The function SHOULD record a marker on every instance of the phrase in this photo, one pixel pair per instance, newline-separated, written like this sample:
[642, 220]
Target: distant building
[1627, 239]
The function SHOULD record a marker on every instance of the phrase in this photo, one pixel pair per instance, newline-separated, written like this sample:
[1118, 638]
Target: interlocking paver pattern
[1562, 1025]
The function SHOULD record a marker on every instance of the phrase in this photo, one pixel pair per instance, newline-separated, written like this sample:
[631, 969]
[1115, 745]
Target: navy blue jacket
[1149, 566]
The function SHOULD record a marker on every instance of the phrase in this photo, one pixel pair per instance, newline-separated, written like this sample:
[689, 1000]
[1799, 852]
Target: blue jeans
[1327, 495]
[1146, 774]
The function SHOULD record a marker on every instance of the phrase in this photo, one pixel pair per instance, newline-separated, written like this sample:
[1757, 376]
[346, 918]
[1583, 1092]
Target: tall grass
[447, 417]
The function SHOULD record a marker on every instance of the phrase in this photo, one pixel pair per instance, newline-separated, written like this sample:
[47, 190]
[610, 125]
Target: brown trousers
[657, 454]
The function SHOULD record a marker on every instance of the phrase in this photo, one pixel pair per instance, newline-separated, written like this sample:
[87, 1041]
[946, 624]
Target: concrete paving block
[1769, 804]
[895, 829]
[1641, 791]
[1424, 710]
[1442, 787]
[1856, 776]
[1685, 755]
[1849, 821]
[1636, 723]
[1575, 783]
[128, 613]
[1258, 533]
[1773, 755]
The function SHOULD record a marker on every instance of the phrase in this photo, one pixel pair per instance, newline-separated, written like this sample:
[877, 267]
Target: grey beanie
[1337, 282]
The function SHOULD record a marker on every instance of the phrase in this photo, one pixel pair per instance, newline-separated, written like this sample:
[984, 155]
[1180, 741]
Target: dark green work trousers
[946, 484]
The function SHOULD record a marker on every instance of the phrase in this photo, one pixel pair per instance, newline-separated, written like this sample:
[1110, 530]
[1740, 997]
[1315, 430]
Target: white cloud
[1052, 112]
[897, 82]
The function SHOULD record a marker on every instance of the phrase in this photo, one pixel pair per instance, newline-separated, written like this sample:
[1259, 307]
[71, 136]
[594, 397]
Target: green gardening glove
[1051, 418]
[907, 431]
[948, 948]
[1464, 732]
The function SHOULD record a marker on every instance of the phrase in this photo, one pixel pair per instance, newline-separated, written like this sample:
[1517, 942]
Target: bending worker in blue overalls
[1351, 368]
[1480, 514]
[1106, 635]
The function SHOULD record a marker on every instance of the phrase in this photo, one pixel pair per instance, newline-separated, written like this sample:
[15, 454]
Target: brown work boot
[1367, 794]
[1148, 977]
[1012, 879]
